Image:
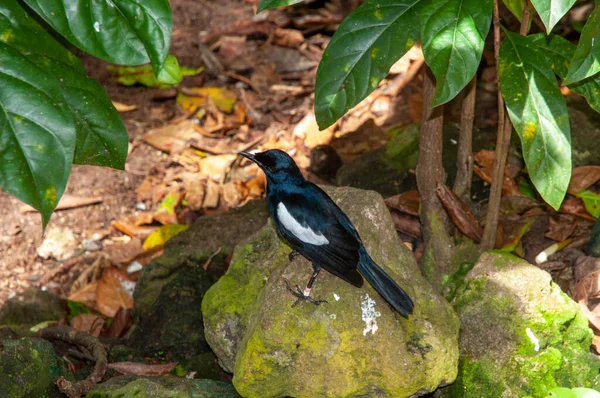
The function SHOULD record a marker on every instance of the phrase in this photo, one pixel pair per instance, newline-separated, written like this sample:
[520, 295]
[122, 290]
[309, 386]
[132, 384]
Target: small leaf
[170, 73]
[266, 4]
[516, 7]
[125, 32]
[157, 239]
[586, 61]
[144, 75]
[459, 213]
[538, 112]
[591, 201]
[551, 11]
[360, 54]
[453, 34]
[224, 99]
[115, 291]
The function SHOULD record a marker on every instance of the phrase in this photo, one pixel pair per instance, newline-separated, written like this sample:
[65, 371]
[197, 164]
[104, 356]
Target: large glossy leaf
[538, 112]
[361, 52]
[551, 11]
[453, 33]
[49, 110]
[266, 4]
[125, 32]
[559, 52]
[586, 61]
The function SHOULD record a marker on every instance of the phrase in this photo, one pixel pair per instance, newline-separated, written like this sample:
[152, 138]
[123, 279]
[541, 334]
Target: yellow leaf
[156, 240]
[224, 99]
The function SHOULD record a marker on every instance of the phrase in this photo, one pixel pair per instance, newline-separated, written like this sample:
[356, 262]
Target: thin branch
[464, 158]
[75, 337]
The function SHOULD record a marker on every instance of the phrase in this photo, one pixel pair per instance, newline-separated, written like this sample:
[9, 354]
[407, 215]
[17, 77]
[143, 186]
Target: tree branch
[464, 158]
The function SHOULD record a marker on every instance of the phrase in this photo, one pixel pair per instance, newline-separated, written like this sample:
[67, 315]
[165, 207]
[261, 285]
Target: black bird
[317, 228]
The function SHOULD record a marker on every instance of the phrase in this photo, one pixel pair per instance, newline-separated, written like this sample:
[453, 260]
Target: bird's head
[277, 165]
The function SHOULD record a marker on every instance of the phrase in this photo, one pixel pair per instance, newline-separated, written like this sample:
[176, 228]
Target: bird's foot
[302, 295]
[292, 256]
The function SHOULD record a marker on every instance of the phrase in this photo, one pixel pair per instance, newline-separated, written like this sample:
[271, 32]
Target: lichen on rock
[277, 350]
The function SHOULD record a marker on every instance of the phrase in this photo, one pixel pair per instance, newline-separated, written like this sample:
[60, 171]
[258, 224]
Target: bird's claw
[300, 295]
[293, 255]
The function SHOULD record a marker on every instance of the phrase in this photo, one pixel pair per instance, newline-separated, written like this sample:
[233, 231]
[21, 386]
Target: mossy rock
[277, 350]
[193, 247]
[520, 334]
[32, 307]
[28, 368]
[202, 366]
[585, 132]
[163, 387]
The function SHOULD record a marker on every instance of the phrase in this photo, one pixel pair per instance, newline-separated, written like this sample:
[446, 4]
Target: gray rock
[91, 245]
[142, 387]
[28, 368]
[585, 132]
[520, 334]
[32, 307]
[333, 349]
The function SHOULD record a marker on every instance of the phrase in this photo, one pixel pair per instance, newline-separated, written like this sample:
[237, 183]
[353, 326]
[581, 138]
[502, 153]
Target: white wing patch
[305, 234]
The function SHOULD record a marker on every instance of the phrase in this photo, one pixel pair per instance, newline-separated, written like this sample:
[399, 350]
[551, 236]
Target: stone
[202, 366]
[337, 348]
[59, 243]
[207, 236]
[164, 386]
[585, 132]
[28, 368]
[32, 307]
[520, 334]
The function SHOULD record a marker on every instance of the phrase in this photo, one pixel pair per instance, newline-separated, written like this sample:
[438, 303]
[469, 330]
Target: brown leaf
[144, 218]
[576, 207]
[125, 253]
[166, 211]
[459, 213]
[120, 324]
[89, 323]
[142, 369]
[485, 167]
[115, 291]
[213, 192]
[67, 202]
[308, 130]
[288, 37]
[582, 178]
[194, 186]
[562, 226]
[87, 295]
[406, 202]
[406, 224]
[172, 138]
[128, 226]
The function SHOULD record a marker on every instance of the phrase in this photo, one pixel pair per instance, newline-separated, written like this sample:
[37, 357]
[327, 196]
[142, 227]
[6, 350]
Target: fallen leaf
[576, 207]
[591, 200]
[89, 323]
[86, 295]
[144, 75]
[288, 37]
[406, 202]
[562, 226]
[308, 130]
[125, 253]
[166, 211]
[195, 99]
[115, 290]
[408, 225]
[120, 324]
[484, 169]
[128, 226]
[213, 193]
[215, 166]
[156, 240]
[172, 138]
[142, 369]
[459, 213]
[194, 186]
[120, 107]
[231, 194]
[582, 178]
[67, 202]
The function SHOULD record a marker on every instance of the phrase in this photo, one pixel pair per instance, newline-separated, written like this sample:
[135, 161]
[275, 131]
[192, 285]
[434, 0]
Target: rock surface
[520, 334]
[32, 307]
[28, 368]
[354, 345]
[136, 386]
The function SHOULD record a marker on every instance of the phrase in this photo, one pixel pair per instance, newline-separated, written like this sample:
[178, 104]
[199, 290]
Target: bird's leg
[305, 295]
[293, 255]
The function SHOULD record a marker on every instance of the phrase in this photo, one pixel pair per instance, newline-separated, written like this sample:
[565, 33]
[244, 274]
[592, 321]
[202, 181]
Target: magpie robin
[317, 228]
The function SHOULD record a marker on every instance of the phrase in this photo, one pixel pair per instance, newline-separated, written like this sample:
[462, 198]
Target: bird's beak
[248, 156]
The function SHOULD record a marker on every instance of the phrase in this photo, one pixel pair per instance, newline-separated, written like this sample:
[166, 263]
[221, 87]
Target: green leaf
[586, 61]
[360, 54]
[51, 114]
[538, 112]
[551, 11]
[562, 392]
[125, 32]
[558, 52]
[169, 73]
[157, 239]
[516, 7]
[144, 75]
[591, 200]
[266, 4]
[453, 34]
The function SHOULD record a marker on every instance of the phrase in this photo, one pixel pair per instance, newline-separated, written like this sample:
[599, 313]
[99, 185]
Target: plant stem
[464, 159]
[502, 141]
[430, 171]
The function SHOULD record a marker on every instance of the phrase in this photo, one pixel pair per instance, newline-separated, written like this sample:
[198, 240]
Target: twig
[464, 158]
[75, 337]
[207, 263]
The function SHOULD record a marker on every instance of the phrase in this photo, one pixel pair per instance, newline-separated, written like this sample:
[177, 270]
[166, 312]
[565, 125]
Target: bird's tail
[385, 285]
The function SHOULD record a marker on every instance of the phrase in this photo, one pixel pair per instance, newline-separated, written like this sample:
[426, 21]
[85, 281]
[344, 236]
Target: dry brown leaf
[231, 195]
[213, 192]
[582, 178]
[142, 369]
[214, 167]
[562, 226]
[459, 213]
[406, 224]
[67, 202]
[144, 218]
[128, 226]
[576, 207]
[194, 185]
[485, 167]
[87, 295]
[288, 37]
[89, 323]
[123, 107]
[172, 138]
[115, 291]
[120, 324]
[125, 253]
[406, 202]
[308, 130]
